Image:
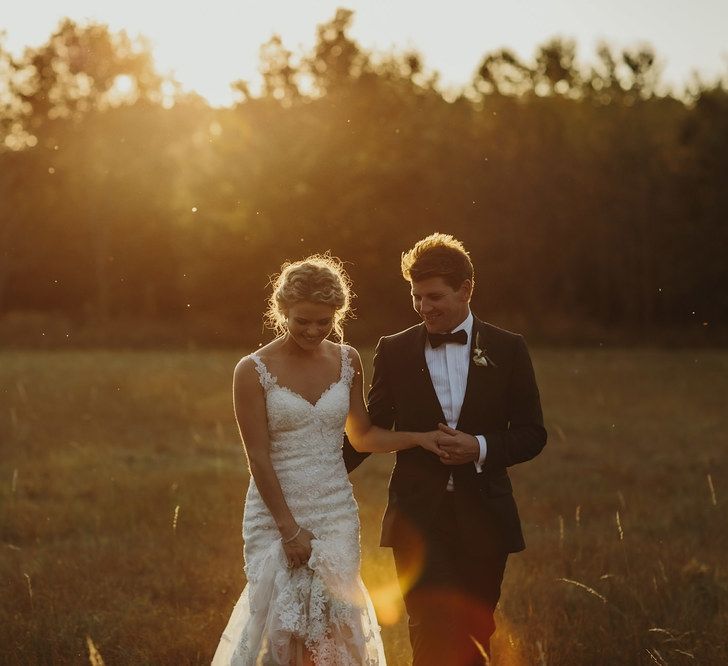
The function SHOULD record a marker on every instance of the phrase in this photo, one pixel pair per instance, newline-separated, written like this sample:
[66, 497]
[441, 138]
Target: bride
[304, 602]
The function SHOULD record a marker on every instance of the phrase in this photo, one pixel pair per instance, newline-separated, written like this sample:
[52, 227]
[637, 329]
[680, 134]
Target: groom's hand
[460, 447]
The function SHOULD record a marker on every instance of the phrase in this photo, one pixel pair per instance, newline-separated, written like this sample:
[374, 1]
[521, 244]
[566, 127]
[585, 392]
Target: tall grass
[122, 482]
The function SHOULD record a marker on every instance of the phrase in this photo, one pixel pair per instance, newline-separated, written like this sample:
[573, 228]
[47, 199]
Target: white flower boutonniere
[480, 356]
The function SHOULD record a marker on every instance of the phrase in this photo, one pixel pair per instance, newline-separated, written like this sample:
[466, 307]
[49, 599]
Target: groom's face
[441, 307]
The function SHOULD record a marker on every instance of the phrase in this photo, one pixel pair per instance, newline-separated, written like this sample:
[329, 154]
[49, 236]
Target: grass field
[122, 481]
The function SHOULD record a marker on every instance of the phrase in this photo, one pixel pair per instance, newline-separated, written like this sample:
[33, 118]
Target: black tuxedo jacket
[501, 402]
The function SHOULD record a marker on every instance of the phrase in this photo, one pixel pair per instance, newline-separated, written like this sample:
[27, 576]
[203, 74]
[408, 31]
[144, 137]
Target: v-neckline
[287, 389]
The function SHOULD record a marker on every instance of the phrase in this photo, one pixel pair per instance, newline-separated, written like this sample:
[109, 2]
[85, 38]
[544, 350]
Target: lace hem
[324, 606]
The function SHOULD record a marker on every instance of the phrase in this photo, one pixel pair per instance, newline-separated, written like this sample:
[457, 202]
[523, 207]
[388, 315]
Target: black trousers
[451, 582]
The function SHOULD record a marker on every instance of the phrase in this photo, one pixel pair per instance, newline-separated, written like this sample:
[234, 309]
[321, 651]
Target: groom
[452, 521]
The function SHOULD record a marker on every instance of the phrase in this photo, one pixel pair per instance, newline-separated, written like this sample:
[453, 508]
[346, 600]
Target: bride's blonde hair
[319, 278]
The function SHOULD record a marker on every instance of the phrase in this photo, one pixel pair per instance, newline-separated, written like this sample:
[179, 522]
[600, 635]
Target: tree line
[589, 197]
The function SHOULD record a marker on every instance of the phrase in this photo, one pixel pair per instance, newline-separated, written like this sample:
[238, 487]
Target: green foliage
[585, 194]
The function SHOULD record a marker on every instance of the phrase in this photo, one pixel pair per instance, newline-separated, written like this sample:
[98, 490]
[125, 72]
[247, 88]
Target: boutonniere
[480, 355]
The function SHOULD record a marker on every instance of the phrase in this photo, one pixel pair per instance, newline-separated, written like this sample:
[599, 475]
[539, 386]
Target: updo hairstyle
[319, 278]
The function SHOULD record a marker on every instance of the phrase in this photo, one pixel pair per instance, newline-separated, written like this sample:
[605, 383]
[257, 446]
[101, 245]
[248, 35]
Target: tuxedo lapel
[422, 387]
[480, 381]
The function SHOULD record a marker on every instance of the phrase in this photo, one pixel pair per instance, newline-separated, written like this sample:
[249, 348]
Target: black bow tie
[436, 339]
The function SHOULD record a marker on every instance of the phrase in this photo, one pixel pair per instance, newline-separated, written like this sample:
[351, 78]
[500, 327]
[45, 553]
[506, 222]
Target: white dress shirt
[448, 365]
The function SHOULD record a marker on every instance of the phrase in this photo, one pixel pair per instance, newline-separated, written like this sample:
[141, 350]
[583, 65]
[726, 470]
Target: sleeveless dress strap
[347, 369]
[266, 379]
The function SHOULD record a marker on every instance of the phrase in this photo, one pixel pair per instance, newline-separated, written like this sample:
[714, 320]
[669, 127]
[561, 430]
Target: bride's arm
[252, 420]
[366, 437]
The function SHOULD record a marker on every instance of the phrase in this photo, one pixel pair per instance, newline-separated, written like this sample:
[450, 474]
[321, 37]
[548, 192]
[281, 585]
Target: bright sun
[207, 47]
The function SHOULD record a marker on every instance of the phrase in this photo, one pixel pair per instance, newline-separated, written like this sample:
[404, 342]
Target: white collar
[466, 325]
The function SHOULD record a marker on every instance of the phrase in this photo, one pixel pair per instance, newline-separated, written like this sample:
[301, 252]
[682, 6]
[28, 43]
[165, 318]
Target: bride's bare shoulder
[245, 373]
[263, 353]
[248, 367]
[266, 352]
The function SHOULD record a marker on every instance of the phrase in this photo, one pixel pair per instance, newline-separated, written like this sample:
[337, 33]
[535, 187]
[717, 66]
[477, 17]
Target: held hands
[457, 447]
[429, 442]
[298, 549]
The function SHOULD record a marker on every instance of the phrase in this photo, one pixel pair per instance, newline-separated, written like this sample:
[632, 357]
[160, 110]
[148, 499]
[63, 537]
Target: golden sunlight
[207, 48]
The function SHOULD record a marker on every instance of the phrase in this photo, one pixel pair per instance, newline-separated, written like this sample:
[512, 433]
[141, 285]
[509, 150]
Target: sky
[209, 43]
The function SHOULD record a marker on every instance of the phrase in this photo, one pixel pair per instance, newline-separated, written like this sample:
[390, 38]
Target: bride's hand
[428, 441]
[298, 550]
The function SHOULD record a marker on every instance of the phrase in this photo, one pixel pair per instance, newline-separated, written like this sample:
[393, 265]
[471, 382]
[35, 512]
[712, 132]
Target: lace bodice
[289, 412]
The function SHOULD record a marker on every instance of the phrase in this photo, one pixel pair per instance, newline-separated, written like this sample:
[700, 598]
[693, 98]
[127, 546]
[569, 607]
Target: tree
[279, 75]
[503, 73]
[556, 70]
[336, 59]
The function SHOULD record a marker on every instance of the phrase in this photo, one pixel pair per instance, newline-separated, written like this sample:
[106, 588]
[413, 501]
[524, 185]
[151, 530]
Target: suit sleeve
[379, 404]
[525, 436]
[380, 401]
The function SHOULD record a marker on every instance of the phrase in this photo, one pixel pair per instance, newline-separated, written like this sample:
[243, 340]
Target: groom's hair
[438, 255]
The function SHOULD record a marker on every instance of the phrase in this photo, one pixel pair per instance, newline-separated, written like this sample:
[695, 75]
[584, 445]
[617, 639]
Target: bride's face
[441, 307]
[309, 324]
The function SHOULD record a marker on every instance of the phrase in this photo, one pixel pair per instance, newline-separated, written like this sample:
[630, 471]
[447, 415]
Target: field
[122, 481]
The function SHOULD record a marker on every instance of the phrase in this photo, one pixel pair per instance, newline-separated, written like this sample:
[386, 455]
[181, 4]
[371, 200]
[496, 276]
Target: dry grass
[121, 487]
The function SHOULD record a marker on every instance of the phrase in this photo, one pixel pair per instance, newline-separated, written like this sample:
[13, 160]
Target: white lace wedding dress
[323, 606]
